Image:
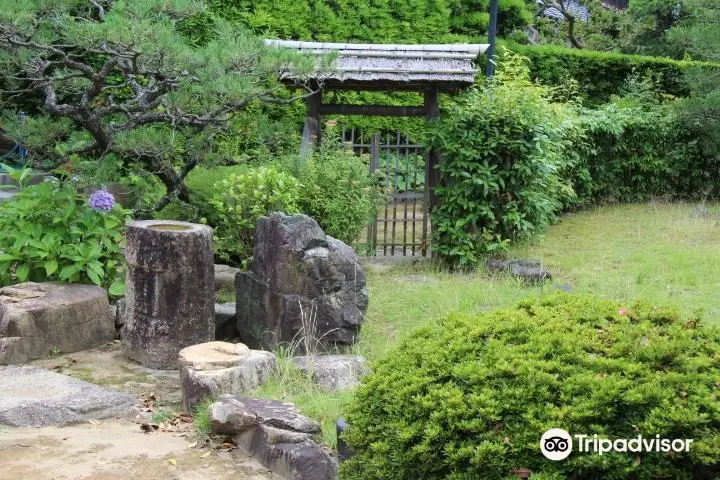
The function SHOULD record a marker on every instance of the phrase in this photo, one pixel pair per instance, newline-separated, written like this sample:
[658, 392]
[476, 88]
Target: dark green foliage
[640, 149]
[469, 397]
[376, 21]
[601, 75]
[504, 151]
[49, 232]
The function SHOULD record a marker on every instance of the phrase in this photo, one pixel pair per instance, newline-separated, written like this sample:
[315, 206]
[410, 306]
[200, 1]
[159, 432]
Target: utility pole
[492, 35]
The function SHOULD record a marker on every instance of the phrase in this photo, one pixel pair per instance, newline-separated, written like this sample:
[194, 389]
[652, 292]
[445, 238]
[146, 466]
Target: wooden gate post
[313, 115]
[432, 176]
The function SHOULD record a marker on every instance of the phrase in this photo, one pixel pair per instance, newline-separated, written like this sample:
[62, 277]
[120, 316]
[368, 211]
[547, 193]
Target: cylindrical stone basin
[170, 295]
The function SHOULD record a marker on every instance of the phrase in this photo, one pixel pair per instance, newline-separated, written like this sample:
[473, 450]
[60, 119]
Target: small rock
[34, 397]
[500, 265]
[225, 327]
[333, 372]
[497, 265]
[225, 277]
[214, 368]
[530, 275]
[565, 288]
[227, 419]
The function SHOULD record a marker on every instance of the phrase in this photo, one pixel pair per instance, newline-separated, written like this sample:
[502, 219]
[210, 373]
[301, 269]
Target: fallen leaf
[185, 417]
[94, 422]
[193, 445]
[149, 427]
[173, 462]
[206, 454]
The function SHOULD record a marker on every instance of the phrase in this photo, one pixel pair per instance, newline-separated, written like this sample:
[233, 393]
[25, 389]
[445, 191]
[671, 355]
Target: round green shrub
[240, 200]
[339, 193]
[470, 397]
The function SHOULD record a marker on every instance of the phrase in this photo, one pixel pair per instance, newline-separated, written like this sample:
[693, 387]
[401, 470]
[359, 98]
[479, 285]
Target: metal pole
[492, 33]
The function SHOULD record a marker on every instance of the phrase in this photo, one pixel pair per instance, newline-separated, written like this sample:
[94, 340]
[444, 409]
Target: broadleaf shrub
[48, 232]
[338, 192]
[470, 396]
[240, 199]
[505, 150]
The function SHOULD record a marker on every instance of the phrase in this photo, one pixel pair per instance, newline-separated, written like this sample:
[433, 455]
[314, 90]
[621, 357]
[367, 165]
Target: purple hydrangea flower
[102, 201]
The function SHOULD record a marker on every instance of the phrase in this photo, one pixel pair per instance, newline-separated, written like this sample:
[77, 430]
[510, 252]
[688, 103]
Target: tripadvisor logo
[556, 444]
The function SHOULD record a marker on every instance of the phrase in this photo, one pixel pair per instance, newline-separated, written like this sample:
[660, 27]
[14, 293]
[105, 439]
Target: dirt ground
[119, 449]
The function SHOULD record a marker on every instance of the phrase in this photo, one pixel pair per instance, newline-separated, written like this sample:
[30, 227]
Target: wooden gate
[402, 225]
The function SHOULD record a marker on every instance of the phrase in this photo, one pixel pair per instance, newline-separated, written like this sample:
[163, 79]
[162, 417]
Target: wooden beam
[374, 110]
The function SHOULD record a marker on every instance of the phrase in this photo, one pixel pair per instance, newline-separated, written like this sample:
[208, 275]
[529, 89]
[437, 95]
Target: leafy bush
[470, 397]
[240, 199]
[338, 192]
[505, 149]
[602, 74]
[642, 150]
[48, 232]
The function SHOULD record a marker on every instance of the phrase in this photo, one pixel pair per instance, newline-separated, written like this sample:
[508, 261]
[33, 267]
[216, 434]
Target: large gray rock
[276, 434]
[34, 397]
[37, 318]
[302, 287]
[169, 299]
[333, 372]
[211, 369]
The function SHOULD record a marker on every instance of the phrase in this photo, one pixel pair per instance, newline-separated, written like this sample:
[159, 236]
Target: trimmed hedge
[469, 397]
[602, 74]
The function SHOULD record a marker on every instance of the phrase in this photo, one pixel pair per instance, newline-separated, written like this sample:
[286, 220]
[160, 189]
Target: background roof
[390, 66]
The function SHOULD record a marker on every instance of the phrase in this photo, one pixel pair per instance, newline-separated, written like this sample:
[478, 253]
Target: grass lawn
[660, 252]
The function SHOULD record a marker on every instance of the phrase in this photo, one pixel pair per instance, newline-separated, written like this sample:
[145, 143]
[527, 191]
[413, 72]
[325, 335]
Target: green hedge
[470, 396]
[601, 75]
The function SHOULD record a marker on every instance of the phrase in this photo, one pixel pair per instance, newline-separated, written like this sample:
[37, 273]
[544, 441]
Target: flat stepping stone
[34, 397]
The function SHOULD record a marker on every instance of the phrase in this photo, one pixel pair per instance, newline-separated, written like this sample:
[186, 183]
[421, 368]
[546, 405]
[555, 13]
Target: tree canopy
[121, 80]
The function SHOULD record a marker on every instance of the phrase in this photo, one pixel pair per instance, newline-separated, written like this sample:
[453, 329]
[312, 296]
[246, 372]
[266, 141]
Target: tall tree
[590, 24]
[107, 79]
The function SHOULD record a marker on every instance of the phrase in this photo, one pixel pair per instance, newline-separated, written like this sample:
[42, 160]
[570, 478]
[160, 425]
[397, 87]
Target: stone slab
[34, 397]
[37, 318]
